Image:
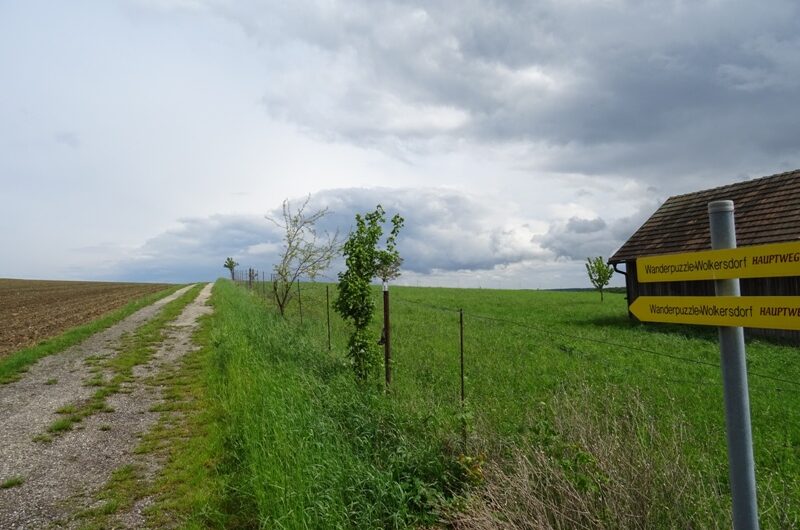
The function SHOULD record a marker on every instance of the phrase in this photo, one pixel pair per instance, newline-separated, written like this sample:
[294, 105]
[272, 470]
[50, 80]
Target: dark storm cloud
[578, 239]
[197, 248]
[644, 89]
[444, 231]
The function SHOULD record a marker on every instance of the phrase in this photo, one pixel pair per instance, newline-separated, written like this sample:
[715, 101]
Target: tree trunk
[281, 301]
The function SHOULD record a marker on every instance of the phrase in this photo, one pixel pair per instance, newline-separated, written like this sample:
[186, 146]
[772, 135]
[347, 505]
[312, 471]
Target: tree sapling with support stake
[354, 302]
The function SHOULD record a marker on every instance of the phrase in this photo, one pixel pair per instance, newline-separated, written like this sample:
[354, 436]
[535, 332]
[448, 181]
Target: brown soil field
[34, 310]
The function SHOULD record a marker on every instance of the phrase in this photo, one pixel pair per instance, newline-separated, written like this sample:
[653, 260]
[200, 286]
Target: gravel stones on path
[62, 476]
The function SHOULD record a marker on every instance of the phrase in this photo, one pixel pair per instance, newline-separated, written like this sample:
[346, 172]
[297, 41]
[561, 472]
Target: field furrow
[34, 310]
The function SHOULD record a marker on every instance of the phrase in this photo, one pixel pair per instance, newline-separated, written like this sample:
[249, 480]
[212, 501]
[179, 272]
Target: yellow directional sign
[771, 312]
[761, 261]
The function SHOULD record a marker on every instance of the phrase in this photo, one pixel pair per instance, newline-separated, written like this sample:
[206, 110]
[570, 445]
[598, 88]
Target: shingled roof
[766, 210]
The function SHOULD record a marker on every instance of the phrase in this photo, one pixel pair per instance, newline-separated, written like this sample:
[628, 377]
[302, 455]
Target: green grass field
[575, 415]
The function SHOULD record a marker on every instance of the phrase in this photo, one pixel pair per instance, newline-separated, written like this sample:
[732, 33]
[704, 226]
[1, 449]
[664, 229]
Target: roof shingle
[766, 210]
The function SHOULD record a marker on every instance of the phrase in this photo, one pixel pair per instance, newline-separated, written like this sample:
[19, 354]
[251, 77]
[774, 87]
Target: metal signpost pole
[734, 375]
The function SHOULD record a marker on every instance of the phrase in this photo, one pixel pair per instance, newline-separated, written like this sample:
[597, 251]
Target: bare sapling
[305, 254]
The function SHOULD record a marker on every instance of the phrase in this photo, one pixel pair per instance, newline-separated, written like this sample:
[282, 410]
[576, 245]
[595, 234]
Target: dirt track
[61, 477]
[33, 310]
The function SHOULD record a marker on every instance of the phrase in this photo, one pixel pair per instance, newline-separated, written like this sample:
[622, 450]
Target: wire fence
[794, 386]
[310, 293]
[513, 362]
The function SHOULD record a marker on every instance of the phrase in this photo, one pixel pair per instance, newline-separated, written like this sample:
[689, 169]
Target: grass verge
[12, 366]
[302, 445]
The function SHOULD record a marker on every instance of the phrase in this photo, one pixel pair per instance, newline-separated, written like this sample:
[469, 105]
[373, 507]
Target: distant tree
[599, 273]
[230, 265]
[305, 253]
[365, 261]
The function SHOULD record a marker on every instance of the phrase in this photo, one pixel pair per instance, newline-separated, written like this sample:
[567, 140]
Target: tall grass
[304, 445]
[576, 365]
[594, 462]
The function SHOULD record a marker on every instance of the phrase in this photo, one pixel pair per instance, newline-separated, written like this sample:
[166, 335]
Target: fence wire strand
[604, 342]
[552, 332]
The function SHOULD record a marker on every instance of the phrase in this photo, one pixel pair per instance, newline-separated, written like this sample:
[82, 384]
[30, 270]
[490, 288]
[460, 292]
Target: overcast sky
[147, 139]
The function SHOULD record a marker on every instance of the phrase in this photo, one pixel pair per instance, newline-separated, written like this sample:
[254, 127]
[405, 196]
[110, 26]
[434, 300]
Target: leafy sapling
[366, 261]
[231, 265]
[599, 273]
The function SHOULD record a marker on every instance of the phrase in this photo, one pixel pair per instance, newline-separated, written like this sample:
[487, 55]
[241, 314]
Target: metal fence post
[387, 346]
[734, 375]
[299, 301]
[328, 311]
[461, 349]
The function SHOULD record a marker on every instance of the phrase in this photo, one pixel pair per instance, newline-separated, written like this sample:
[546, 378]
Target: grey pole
[734, 376]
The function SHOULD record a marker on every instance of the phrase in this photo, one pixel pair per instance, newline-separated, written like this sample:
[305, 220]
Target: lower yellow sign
[770, 312]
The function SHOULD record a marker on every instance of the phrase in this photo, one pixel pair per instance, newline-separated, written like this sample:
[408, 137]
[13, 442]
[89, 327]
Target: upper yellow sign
[762, 261]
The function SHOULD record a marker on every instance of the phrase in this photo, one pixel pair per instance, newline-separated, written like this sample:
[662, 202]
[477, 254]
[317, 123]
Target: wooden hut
[766, 210]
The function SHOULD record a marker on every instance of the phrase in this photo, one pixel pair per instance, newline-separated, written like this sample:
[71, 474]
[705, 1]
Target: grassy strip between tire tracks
[136, 349]
[186, 438]
[14, 365]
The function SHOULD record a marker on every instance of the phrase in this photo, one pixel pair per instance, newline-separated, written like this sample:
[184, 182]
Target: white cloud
[262, 249]
[449, 238]
[506, 128]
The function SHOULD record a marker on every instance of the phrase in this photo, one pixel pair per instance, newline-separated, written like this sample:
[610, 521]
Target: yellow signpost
[770, 312]
[731, 312]
[761, 261]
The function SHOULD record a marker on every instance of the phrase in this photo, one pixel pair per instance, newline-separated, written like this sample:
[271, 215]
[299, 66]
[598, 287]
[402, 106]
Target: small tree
[365, 261]
[230, 265]
[305, 253]
[599, 273]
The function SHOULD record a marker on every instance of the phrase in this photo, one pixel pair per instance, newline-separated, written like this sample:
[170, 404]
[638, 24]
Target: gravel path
[62, 476]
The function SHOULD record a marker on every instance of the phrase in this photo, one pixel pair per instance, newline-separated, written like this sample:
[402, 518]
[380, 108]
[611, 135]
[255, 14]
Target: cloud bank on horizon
[450, 238]
[146, 139]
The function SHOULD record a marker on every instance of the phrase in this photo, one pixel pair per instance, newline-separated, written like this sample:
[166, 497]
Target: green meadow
[575, 417]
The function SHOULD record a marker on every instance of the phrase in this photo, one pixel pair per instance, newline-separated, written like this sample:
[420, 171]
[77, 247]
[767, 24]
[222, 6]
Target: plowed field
[33, 310]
